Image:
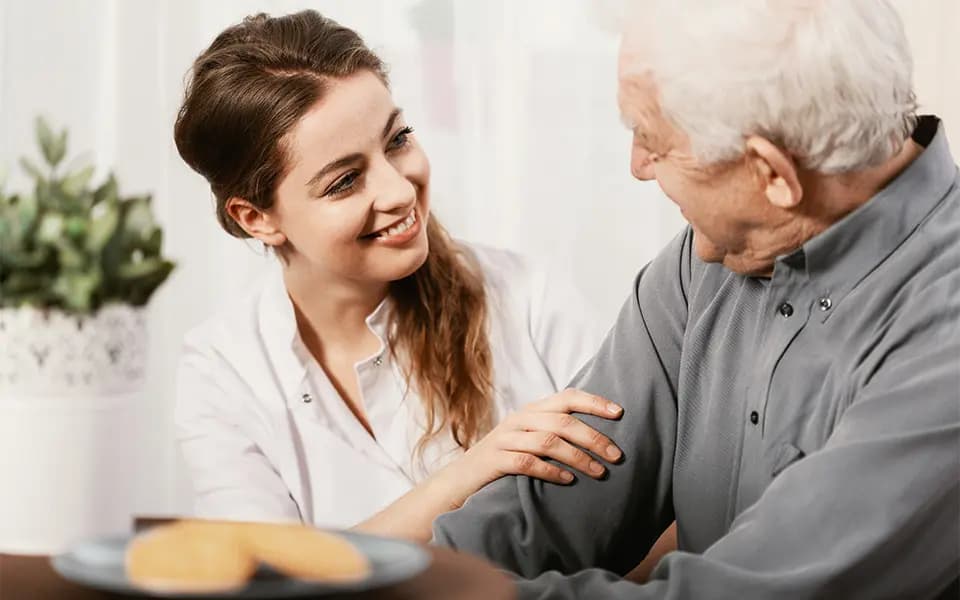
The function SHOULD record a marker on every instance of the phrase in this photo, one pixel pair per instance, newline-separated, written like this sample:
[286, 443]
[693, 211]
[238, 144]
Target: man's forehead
[637, 97]
[633, 56]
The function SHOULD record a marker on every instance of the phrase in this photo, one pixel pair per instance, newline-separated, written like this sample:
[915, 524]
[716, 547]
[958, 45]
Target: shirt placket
[787, 311]
[376, 378]
[338, 417]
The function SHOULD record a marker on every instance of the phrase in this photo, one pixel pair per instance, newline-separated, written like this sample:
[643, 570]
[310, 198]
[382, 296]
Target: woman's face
[355, 203]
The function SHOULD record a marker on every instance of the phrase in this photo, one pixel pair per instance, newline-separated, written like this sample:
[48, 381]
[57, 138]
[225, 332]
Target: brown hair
[247, 91]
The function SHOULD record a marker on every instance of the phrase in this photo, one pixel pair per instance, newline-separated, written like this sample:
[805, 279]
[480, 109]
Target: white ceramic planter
[68, 392]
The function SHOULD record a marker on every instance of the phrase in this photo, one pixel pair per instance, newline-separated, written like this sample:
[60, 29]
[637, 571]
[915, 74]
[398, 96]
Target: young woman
[384, 372]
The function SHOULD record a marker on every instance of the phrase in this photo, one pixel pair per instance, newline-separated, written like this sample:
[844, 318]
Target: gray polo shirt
[803, 430]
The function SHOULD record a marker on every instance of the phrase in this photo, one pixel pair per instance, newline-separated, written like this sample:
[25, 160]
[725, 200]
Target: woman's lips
[399, 234]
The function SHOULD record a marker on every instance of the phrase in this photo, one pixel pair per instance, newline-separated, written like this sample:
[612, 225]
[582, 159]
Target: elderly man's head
[749, 112]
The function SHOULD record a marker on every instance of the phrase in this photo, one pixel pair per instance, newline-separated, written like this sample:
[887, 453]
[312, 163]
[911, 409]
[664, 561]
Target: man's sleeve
[529, 526]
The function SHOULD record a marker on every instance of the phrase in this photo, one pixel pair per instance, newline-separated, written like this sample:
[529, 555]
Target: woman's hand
[543, 429]
[518, 445]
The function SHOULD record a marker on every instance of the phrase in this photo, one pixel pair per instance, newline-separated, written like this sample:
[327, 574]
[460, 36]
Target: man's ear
[778, 172]
[255, 221]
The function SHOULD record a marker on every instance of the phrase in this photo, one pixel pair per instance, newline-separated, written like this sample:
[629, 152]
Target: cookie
[197, 557]
[193, 557]
[306, 553]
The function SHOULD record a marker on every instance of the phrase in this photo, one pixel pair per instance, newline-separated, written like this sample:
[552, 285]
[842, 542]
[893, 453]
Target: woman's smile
[398, 233]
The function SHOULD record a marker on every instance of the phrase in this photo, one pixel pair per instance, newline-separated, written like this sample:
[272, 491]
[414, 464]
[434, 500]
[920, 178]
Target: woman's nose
[393, 190]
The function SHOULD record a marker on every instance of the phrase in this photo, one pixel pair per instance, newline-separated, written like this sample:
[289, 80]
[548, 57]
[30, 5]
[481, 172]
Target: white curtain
[514, 100]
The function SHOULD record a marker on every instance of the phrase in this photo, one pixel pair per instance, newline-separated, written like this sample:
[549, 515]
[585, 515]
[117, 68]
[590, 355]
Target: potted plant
[78, 263]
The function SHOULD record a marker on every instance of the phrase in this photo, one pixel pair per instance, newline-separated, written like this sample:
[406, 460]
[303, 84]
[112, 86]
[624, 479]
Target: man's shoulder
[926, 263]
[677, 268]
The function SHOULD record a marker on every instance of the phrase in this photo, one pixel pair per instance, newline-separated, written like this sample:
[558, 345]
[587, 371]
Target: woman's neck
[332, 312]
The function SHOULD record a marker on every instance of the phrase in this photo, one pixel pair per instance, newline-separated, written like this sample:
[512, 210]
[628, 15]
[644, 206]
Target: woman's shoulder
[537, 306]
[521, 289]
[236, 325]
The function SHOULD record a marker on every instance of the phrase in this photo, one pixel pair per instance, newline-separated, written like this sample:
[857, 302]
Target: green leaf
[75, 183]
[138, 221]
[28, 209]
[70, 247]
[70, 256]
[60, 148]
[47, 141]
[32, 169]
[6, 233]
[140, 269]
[106, 217]
[76, 227]
[77, 289]
[154, 242]
[50, 229]
[141, 279]
[40, 298]
[107, 192]
[22, 282]
[11, 236]
[24, 261]
[44, 193]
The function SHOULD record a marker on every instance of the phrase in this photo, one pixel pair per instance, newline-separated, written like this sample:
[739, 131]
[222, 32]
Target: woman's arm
[514, 447]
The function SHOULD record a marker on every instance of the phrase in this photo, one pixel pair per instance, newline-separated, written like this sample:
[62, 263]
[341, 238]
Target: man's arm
[873, 514]
[529, 526]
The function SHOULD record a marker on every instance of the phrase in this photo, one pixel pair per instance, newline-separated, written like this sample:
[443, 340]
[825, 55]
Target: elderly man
[790, 364]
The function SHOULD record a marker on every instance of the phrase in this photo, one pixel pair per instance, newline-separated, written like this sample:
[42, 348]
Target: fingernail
[566, 476]
[614, 409]
[612, 452]
[596, 467]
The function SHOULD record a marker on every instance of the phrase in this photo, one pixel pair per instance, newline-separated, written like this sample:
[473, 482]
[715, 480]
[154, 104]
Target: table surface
[451, 576]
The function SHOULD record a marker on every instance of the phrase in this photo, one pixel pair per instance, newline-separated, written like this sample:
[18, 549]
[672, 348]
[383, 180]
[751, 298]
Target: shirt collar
[837, 259]
[281, 339]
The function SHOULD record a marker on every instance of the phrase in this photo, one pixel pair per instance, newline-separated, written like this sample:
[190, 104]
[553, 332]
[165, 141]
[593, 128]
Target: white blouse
[266, 436]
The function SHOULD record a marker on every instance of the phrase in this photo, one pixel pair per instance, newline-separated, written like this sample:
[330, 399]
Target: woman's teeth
[401, 227]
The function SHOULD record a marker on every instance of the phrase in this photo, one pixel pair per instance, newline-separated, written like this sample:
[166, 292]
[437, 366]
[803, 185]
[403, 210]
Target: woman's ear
[777, 171]
[255, 221]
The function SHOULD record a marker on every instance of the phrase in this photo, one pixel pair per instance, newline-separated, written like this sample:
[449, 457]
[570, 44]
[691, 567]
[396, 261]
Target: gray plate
[99, 564]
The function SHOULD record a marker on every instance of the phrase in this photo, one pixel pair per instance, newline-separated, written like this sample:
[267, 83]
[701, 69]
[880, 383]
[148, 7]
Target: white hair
[829, 81]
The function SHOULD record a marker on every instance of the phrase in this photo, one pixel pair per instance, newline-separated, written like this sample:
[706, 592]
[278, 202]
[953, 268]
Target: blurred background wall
[514, 102]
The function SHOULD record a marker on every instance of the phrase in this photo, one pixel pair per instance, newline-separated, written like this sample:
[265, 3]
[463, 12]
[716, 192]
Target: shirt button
[786, 309]
[378, 361]
[754, 417]
[825, 303]
[307, 398]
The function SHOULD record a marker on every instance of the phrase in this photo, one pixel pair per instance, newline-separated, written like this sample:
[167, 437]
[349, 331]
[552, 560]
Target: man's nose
[641, 164]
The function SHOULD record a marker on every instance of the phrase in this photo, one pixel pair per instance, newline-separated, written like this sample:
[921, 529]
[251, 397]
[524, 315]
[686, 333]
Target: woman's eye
[343, 184]
[401, 139]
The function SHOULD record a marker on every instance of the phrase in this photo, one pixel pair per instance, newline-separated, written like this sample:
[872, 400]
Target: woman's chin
[413, 264]
[394, 264]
